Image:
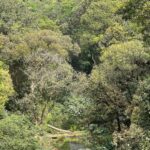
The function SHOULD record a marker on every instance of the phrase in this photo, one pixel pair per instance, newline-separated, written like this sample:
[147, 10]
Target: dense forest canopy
[77, 65]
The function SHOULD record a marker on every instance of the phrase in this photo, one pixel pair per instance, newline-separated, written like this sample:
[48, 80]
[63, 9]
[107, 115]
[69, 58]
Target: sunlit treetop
[6, 88]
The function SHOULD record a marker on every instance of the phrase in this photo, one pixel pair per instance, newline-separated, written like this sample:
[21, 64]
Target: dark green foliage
[138, 11]
[142, 100]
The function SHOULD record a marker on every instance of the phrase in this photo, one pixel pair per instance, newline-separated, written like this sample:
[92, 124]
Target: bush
[17, 133]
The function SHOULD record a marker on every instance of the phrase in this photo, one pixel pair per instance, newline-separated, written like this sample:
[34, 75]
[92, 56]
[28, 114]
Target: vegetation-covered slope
[77, 65]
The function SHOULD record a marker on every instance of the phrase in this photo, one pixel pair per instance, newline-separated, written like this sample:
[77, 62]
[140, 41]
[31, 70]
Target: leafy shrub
[17, 133]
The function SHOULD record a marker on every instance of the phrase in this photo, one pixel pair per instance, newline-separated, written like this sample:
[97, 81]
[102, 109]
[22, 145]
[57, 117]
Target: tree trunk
[43, 113]
[118, 122]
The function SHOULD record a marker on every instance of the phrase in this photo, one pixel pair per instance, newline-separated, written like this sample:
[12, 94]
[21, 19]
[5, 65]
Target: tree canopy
[80, 65]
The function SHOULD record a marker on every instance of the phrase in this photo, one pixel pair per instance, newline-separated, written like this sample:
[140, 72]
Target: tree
[50, 77]
[138, 11]
[137, 137]
[124, 64]
[114, 82]
[15, 50]
[142, 102]
[6, 88]
[39, 67]
[14, 16]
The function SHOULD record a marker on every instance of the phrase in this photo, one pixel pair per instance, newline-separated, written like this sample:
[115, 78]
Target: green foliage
[56, 116]
[97, 17]
[20, 53]
[96, 25]
[21, 45]
[6, 88]
[138, 11]
[47, 83]
[17, 133]
[46, 23]
[142, 100]
[134, 138]
[76, 110]
[14, 16]
[102, 139]
[123, 64]
[44, 44]
[114, 82]
[39, 56]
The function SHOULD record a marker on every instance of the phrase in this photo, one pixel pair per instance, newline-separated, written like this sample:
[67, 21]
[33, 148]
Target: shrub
[17, 133]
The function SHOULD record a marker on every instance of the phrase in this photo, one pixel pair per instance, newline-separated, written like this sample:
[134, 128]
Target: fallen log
[55, 136]
[60, 130]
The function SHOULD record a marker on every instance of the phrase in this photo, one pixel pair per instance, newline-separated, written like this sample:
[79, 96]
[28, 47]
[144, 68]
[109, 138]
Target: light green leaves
[6, 88]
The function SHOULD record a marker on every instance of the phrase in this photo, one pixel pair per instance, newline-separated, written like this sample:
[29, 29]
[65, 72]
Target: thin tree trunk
[118, 122]
[43, 113]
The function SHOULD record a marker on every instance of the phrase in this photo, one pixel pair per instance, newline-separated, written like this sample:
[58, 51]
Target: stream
[77, 146]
